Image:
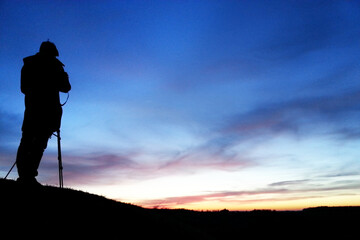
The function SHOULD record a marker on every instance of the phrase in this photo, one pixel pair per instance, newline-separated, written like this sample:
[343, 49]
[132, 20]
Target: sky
[202, 105]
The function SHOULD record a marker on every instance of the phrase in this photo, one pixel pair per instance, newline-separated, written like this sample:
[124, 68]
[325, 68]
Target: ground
[50, 211]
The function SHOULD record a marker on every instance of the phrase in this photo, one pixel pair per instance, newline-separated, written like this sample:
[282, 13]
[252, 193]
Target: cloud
[287, 183]
[219, 196]
[344, 73]
[279, 191]
[138, 165]
[204, 158]
[10, 134]
[299, 116]
[94, 169]
[227, 148]
[347, 133]
[10, 127]
[342, 174]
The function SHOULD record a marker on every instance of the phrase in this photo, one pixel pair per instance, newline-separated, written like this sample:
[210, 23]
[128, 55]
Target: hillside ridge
[76, 213]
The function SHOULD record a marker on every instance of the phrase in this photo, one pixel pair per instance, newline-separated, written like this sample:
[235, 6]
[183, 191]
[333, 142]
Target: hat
[49, 48]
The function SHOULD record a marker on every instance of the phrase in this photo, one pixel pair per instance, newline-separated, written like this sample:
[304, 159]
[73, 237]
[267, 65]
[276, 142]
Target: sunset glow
[202, 105]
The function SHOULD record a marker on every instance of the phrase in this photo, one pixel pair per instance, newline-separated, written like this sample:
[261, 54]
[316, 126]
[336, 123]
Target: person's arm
[64, 85]
[24, 83]
[63, 78]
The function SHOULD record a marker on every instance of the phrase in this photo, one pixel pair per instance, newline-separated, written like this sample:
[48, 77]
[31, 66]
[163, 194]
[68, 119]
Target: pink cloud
[113, 168]
[220, 196]
[85, 169]
[270, 194]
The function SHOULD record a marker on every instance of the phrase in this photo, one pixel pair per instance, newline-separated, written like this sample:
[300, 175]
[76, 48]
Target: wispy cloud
[228, 147]
[219, 196]
[279, 191]
[10, 127]
[287, 183]
[87, 170]
[298, 116]
[117, 168]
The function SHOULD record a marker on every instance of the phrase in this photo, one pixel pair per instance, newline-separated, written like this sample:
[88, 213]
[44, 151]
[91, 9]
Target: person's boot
[28, 182]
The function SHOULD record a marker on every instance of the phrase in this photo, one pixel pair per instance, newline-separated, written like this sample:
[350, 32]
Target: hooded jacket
[42, 78]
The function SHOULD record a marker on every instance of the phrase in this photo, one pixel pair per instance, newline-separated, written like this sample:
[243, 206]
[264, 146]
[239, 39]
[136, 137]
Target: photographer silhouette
[42, 78]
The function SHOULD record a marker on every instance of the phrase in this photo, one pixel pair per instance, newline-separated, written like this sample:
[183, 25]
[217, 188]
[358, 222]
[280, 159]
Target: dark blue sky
[193, 103]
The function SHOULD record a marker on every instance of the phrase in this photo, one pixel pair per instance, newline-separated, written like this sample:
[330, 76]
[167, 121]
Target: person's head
[48, 48]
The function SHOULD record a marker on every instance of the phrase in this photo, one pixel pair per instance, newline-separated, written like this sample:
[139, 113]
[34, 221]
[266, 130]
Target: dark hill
[50, 212]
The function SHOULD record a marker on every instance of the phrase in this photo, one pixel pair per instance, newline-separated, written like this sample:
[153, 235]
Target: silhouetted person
[42, 78]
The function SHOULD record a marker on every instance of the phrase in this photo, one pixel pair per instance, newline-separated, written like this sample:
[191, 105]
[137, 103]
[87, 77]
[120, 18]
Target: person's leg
[29, 154]
[23, 156]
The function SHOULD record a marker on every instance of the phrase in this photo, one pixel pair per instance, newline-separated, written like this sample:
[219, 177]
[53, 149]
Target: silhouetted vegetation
[68, 213]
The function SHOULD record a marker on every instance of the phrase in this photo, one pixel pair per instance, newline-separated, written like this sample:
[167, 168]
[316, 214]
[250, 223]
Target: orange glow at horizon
[279, 205]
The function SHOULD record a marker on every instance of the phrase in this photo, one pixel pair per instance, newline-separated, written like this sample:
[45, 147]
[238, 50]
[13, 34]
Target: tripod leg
[61, 182]
[10, 170]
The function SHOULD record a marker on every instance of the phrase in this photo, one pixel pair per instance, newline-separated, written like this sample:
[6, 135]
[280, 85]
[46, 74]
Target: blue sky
[196, 104]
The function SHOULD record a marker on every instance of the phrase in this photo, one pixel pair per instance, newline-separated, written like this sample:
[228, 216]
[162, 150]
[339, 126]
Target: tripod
[61, 181]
